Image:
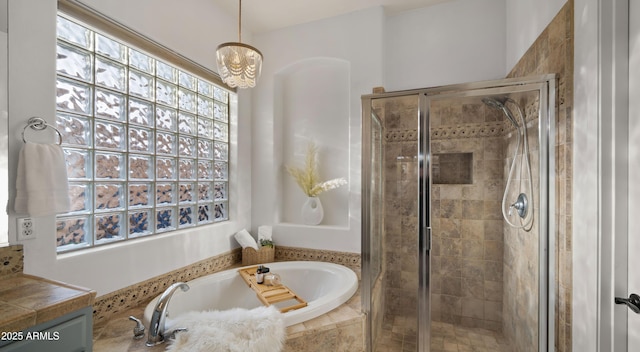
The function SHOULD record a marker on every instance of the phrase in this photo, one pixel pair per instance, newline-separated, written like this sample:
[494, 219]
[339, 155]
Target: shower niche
[453, 257]
[452, 168]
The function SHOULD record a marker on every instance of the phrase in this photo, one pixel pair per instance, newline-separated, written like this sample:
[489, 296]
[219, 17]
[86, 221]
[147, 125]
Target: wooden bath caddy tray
[269, 295]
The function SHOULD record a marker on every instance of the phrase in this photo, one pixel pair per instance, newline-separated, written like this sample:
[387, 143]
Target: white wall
[313, 98]
[349, 50]
[452, 42]
[526, 19]
[440, 44]
[193, 28]
[591, 322]
[4, 179]
[462, 41]
[32, 93]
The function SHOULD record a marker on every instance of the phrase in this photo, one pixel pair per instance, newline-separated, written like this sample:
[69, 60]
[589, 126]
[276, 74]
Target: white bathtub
[324, 286]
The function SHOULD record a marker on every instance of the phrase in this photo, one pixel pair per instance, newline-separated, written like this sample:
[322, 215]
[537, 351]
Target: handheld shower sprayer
[524, 201]
[496, 104]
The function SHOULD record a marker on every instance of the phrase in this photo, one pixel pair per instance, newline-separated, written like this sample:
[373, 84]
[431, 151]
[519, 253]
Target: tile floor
[400, 336]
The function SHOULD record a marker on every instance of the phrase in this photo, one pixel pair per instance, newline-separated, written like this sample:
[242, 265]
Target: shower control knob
[633, 302]
[520, 205]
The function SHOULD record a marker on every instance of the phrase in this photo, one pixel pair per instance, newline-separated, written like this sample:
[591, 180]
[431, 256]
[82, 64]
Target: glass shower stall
[458, 209]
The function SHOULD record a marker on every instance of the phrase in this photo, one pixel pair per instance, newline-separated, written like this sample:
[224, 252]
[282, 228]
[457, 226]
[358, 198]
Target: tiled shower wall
[467, 255]
[552, 52]
[521, 248]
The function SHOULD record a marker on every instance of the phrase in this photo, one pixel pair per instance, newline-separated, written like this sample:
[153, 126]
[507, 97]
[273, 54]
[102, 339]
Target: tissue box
[264, 255]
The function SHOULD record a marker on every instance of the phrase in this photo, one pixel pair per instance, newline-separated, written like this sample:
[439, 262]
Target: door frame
[600, 187]
[633, 239]
[613, 173]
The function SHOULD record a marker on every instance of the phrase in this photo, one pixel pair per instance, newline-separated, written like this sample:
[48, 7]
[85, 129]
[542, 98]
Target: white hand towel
[245, 239]
[41, 184]
[264, 233]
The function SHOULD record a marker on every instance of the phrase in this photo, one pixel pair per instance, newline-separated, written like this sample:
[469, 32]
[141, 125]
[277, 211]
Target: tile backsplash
[11, 260]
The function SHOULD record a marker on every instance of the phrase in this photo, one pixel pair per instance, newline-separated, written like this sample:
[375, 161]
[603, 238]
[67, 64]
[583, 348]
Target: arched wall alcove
[312, 102]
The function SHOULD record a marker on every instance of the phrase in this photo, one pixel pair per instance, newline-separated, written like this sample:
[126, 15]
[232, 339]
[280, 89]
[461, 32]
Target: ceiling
[260, 16]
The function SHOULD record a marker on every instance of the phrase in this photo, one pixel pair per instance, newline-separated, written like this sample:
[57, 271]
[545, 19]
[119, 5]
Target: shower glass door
[373, 225]
[489, 151]
[459, 268]
[390, 222]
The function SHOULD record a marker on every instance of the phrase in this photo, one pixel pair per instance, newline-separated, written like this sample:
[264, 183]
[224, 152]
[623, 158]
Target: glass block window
[146, 143]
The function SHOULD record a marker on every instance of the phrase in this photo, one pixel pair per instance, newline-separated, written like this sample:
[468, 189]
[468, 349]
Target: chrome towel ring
[39, 124]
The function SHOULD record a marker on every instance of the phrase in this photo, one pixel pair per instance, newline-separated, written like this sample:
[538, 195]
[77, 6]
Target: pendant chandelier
[239, 64]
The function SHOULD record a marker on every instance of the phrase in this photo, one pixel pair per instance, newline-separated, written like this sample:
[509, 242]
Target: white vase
[312, 212]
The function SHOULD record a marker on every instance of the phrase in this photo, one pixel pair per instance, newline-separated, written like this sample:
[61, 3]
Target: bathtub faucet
[156, 326]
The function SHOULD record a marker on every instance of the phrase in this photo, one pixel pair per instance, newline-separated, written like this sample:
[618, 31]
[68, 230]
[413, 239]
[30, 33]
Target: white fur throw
[236, 330]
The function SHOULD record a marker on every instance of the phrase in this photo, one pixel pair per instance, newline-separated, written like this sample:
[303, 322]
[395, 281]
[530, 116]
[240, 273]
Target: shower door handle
[633, 302]
[429, 238]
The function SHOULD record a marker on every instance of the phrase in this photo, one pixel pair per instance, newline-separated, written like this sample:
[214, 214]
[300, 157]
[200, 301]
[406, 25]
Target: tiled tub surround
[26, 300]
[350, 260]
[340, 330]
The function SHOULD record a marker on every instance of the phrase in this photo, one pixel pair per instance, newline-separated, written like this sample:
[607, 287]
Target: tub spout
[156, 326]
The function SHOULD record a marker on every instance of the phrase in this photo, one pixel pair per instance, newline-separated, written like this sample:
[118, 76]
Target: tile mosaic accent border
[401, 135]
[489, 129]
[11, 260]
[469, 130]
[348, 259]
[135, 295]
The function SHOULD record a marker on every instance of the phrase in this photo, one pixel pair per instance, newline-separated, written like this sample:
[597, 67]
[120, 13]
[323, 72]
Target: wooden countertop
[27, 300]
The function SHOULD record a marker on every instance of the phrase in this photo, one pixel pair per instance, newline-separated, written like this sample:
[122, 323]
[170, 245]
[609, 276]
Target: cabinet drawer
[71, 333]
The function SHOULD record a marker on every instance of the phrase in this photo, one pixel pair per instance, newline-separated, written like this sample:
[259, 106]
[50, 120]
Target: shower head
[498, 105]
[494, 103]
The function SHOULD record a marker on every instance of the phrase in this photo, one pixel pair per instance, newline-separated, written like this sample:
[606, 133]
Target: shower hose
[526, 222]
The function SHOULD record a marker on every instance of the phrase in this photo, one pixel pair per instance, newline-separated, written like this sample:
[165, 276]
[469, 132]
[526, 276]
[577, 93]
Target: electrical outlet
[25, 229]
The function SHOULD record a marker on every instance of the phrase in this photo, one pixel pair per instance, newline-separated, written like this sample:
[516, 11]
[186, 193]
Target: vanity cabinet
[71, 332]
